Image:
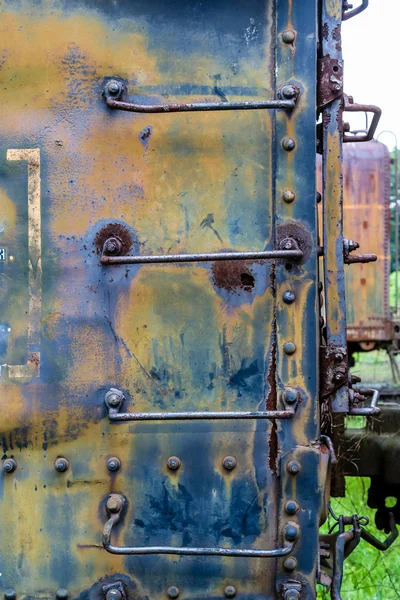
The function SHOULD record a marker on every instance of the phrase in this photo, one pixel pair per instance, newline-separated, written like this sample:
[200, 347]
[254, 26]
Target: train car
[371, 322]
[168, 395]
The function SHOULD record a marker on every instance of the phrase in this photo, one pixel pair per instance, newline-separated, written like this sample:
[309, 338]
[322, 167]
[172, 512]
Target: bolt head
[289, 348]
[61, 465]
[114, 398]
[288, 144]
[230, 591]
[290, 395]
[293, 467]
[339, 357]
[288, 297]
[9, 465]
[291, 507]
[62, 594]
[173, 463]
[112, 246]
[292, 595]
[338, 377]
[288, 36]
[173, 592]
[291, 532]
[113, 594]
[114, 87]
[319, 197]
[288, 196]
[288, 91]
[114, 503]
[229, 463]
[113, 463]
[10, 594]
[290, 564]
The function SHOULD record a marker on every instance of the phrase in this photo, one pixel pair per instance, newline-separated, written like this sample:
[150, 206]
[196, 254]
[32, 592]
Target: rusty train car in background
[172, 404]
[372, 449]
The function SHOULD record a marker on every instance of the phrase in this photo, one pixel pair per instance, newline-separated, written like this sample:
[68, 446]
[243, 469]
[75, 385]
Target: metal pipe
[208, 257]
[199, 415]
[183, 551]
[200, 106]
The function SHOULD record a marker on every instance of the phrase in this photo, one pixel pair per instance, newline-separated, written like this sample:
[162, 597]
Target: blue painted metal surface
[171, 337]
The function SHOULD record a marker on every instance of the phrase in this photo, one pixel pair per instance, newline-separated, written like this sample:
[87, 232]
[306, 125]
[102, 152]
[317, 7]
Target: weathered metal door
[186, 388]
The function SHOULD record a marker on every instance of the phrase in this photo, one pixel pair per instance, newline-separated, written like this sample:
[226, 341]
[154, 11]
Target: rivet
[114, 503]
[10, 594]
[288, 297]
[113, 594]
[288, 36]
[62, 594]
[293, 467]
[61, 465]
[288, 144]
[173, 592]
[114, 87]
[113, 463]
[288, 91]
[173, 463]
[291, 507]
[290, 563]
[339, 357]
[9, 465]
[319, 197]
[290, 395]
[230, 591]
[289, 348]
[291, 532]
[338, 377]
[288, 196]
[229, 463]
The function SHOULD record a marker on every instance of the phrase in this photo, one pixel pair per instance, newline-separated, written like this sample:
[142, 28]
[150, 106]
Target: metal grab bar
[349, 106]
[350, 13]
[115, 88]
[204, 415]
[373, 409]
[288, 249]
[115, 505]
[114, 399]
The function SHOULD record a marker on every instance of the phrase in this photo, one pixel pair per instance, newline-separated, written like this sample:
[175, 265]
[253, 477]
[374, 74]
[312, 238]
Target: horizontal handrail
[199, 415]
[202, 257]
[115, 505]
[115, 88]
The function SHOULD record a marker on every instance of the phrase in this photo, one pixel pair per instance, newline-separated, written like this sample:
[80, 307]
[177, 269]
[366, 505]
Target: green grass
[368, 573]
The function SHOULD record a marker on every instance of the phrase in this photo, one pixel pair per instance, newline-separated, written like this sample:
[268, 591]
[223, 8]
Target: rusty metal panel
[366, 193]
[203, 336]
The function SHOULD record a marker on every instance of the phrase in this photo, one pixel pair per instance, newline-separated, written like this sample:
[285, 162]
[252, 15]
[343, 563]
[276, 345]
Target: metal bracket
[115, 507]
[333, 368]
[330, 80]
[115, 89]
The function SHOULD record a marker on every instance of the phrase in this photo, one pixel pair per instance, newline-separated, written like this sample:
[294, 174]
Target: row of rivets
[62, 464]
[61, 594]
[229, 592]
[174, 463]
[114, 594]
